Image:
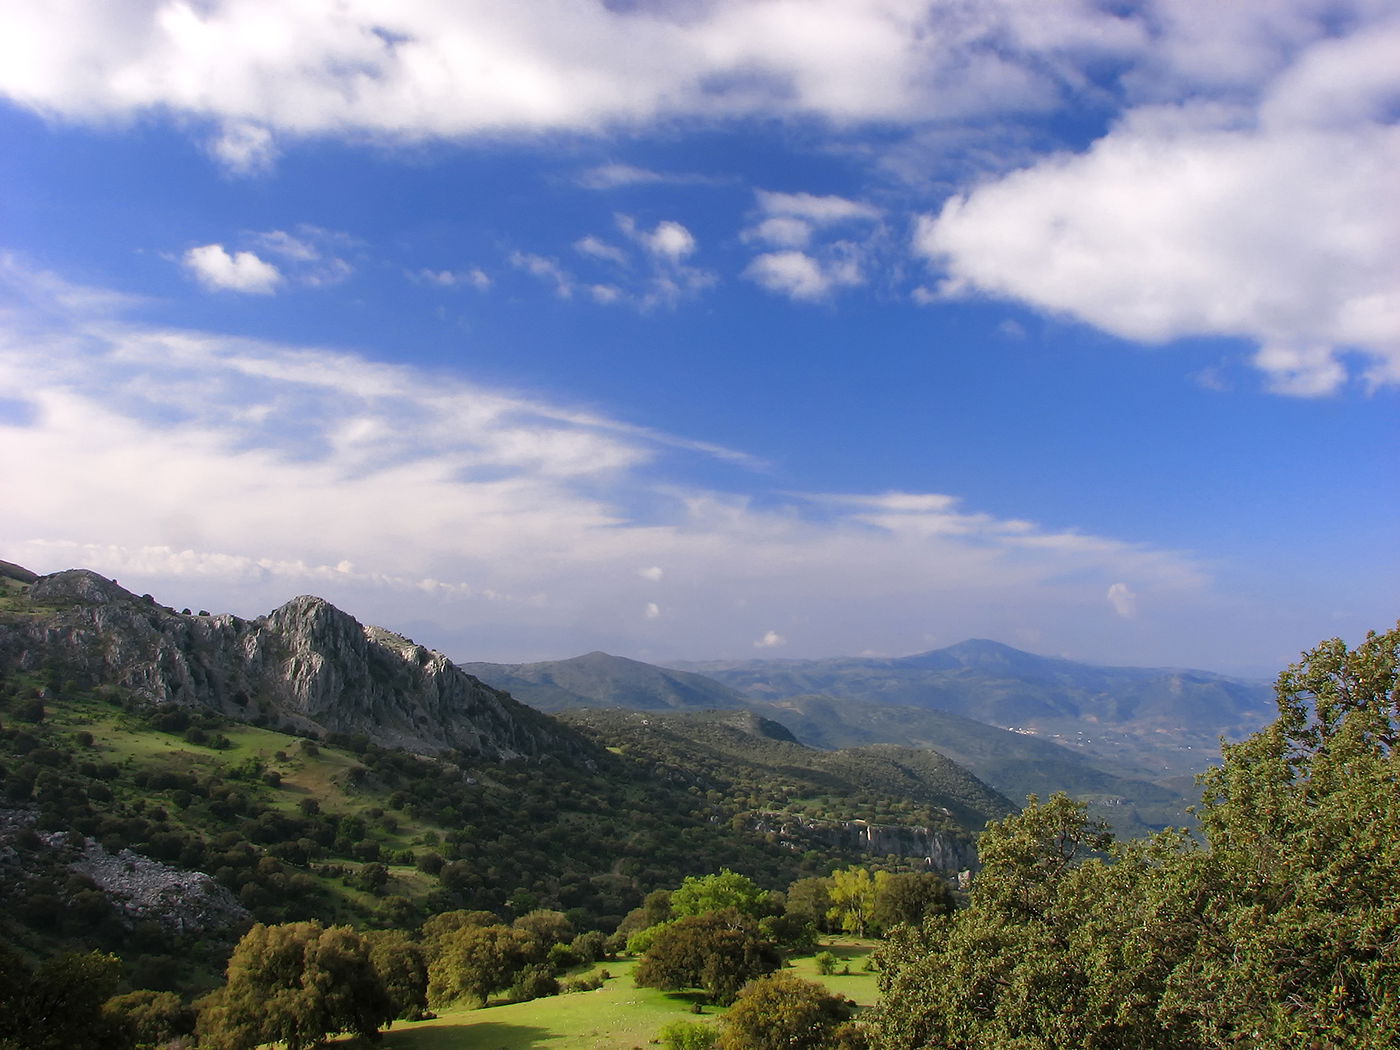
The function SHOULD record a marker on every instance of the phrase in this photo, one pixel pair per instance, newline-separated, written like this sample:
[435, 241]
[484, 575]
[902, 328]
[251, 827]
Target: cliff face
[941, 850]
[306, 664]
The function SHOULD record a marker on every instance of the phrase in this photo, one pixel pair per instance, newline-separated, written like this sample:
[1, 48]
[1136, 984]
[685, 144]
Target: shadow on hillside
[478, 1035]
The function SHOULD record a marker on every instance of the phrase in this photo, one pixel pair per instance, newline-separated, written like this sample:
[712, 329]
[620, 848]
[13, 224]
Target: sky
[716, 328]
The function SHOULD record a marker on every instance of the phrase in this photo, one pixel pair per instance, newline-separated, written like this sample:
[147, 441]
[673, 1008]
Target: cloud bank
[230, 472]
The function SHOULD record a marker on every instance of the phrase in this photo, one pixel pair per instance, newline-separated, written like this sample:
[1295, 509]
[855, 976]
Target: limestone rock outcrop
[306, 666]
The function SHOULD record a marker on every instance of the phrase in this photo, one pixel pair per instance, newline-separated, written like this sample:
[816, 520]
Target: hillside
[750, 759]
[600, 680]
[1137, 786]
[170, 777]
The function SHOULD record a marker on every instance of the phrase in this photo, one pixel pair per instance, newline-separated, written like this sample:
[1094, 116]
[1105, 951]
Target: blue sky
[722, 329]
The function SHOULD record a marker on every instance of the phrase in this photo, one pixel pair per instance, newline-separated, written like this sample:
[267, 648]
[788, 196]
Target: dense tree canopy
[295, 984]
[1280, 930]
[784, 1012]
[718, 951]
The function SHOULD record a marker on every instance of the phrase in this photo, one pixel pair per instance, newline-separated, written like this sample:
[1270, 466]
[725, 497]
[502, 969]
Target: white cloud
[600, 249]
[431, 70]
[770, 640]
[235, 473]
[1123, 600]
[245, 149]
[473, 278]
[652, 611]
[813, 208]
[802, 277]
[782, 231]
[218, 270]
[670, 240]
[1279, 224]
[794, 274]
[547, 270]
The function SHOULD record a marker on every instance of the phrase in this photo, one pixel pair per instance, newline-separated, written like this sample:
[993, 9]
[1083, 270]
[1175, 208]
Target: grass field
[618, 1016]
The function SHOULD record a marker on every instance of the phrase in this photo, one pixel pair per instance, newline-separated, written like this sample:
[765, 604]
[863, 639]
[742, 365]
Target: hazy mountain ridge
[601, 680]
[1166, 713]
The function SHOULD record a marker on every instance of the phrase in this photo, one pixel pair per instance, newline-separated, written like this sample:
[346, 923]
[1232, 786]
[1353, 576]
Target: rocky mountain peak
[79, 585]
[306, 666]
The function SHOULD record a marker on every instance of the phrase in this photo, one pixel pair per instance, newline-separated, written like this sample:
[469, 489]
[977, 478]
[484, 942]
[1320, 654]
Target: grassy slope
[618, 1016]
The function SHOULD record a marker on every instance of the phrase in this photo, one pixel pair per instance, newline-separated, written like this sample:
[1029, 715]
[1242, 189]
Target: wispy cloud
[237, 472]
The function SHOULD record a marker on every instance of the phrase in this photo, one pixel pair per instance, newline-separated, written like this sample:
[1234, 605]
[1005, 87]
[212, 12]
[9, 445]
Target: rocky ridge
[306, 666]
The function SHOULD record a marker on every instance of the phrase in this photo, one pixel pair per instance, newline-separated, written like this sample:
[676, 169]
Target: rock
[306, 666]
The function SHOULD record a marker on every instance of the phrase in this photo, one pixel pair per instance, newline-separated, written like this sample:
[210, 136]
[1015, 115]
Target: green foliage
[403, 969]
[150, 1019]
[1280, 930]
[688, 1035]
[907, 897]
[58, 1004]
[718, 952]
[853, 899]
[471, 963]
[826, 963]
[784, 1012]
[295, 984]
[706, 893]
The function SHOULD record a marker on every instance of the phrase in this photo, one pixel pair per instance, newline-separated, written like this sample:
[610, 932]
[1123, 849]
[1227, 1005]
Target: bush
[688, 1035]
[826, 963]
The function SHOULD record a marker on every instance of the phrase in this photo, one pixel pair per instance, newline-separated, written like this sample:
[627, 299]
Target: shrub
[688, 1035]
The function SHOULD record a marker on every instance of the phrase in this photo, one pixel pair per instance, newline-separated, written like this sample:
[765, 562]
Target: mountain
[905, 801]
[600, 680]
[1162, 719]
[306, 667]
[167, 776]
[1015, 764]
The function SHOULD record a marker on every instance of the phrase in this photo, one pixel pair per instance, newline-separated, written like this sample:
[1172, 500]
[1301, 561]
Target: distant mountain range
[1127, 738]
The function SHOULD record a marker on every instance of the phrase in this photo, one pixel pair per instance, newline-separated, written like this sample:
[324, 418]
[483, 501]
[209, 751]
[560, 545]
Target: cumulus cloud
[218, 270]
[244, 149]
[800, 276]
[235, 473]
[435, 70]
[670, 240]
[770, 640]
[652, 611]
[1275, 222]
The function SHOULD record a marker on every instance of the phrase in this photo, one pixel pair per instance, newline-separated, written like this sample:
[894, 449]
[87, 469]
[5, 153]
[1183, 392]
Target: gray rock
[306, 665]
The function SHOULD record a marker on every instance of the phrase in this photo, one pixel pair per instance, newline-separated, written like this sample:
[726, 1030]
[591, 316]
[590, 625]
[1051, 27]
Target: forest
[1274, 921]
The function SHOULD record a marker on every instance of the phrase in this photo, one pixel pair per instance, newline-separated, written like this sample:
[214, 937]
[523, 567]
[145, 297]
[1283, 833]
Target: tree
[852, 899]
[906, 897]
[295, 984]
[544, 928]
[728, 889]
[810, 899]
[1280, 930]
[403, 969]
[784, 1012]
[475, 961]
[58, 1004]
[150, 1018]
[718, 951]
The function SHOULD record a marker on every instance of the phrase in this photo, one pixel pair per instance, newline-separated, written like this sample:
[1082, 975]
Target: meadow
[617, 1016]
